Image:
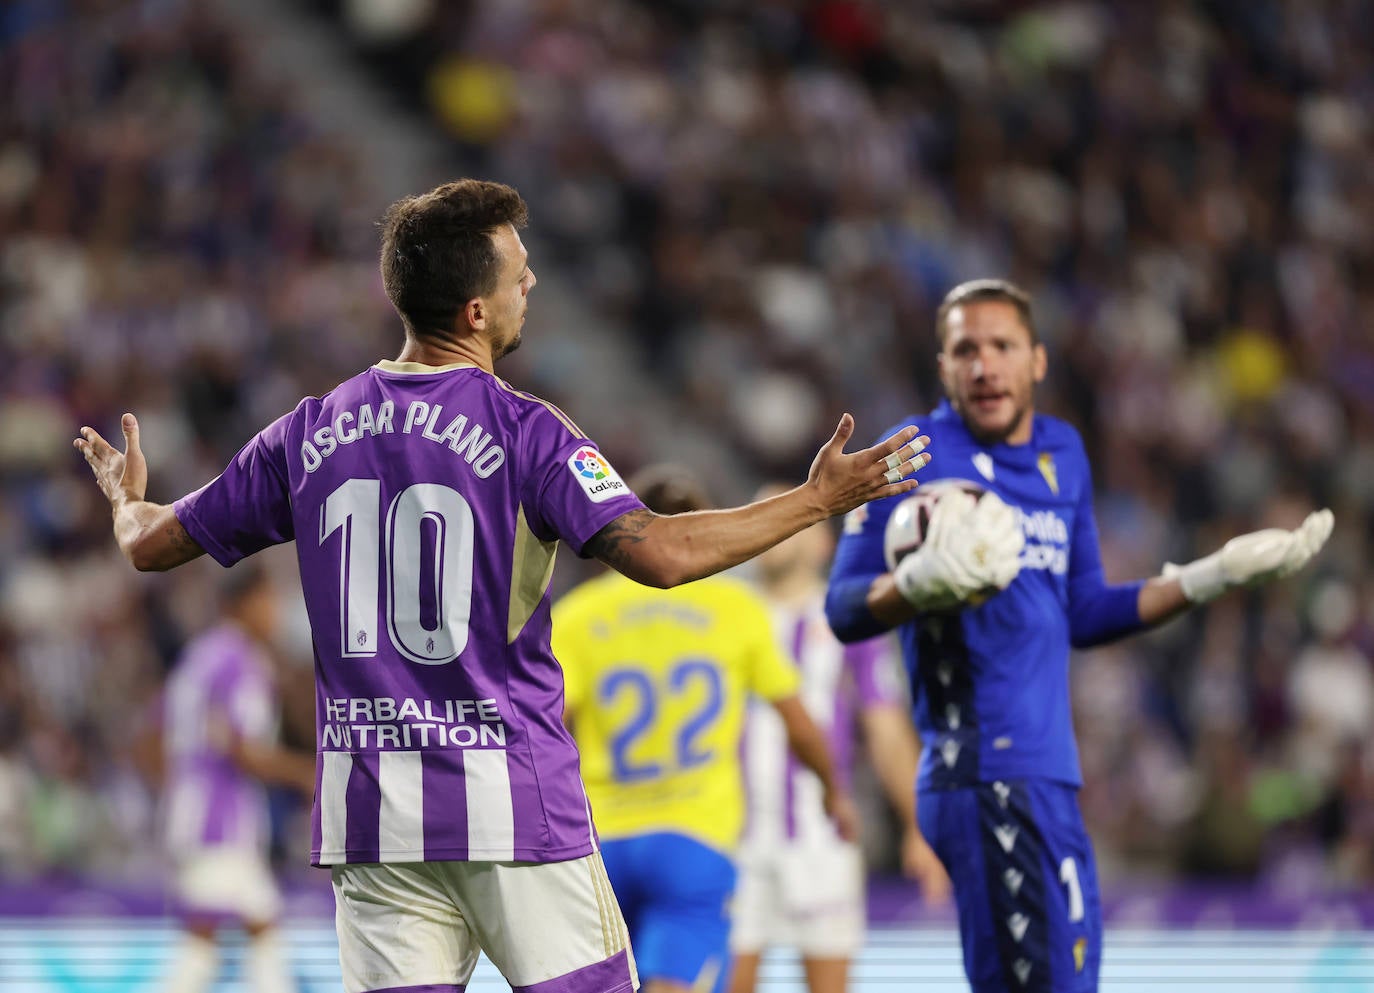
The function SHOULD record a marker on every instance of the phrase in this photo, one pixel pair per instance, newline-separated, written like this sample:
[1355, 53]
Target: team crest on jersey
[982, 461]
[1045, 463]
[597, 477]
[855, 519]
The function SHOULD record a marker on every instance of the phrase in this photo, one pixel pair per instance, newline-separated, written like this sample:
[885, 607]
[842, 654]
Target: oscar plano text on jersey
[468, 439]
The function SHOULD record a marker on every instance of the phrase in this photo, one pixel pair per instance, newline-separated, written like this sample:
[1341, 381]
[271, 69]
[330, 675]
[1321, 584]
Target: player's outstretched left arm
[1244, 561]
[668, 551]
[149, 534]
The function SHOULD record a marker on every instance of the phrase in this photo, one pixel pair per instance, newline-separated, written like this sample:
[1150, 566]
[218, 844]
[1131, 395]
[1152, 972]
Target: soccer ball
[906, 528]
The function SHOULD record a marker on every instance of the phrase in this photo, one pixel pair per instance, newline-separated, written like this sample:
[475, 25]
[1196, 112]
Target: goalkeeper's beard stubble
[987, 431]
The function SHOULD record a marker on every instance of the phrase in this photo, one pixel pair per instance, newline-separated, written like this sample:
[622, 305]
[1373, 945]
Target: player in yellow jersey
[657, 683]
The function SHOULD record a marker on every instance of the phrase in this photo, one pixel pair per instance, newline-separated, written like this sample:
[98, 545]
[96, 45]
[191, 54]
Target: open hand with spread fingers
[149, 534]
[844, 481]
[122, 476]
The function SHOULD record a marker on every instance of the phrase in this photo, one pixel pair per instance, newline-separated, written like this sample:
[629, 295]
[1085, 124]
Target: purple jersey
[426, 505]
[220, 688]
[838, 682]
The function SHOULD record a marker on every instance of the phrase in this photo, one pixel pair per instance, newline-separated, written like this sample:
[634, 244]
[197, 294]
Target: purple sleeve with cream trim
[247, 507]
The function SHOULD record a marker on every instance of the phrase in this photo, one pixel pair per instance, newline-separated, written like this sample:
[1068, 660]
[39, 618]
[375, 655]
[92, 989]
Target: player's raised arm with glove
[1245, 561]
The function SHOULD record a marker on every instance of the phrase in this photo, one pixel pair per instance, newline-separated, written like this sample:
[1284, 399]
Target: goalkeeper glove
[972, 549]
[1251, 559]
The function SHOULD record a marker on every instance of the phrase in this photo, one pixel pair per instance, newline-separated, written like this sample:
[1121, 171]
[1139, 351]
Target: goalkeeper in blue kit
[988, 607]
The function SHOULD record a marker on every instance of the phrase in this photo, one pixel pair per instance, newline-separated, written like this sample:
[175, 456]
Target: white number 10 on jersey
[427, 546]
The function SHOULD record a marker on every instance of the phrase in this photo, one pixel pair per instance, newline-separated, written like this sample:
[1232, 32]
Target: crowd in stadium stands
[173, 236]
[768, 198]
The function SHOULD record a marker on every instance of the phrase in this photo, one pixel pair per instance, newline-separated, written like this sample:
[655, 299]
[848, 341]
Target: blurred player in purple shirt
[426, 498]
[800, 884]
[219, 734]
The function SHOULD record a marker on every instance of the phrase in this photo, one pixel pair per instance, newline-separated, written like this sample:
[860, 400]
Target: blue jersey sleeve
[858, 561]
[1098, 611]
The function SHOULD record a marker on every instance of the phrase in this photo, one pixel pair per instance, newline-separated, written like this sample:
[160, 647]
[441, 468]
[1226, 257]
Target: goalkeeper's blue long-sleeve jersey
[990, 684]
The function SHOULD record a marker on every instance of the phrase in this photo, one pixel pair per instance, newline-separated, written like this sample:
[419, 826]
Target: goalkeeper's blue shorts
[675, 894]
[1030, 916]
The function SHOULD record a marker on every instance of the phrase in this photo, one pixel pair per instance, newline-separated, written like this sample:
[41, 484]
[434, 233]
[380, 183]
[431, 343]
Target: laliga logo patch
[597, 477]
[589, 464]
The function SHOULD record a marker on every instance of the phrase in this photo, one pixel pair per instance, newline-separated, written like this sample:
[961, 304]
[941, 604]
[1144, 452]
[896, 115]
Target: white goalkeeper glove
[1251, 559]
[972, 549]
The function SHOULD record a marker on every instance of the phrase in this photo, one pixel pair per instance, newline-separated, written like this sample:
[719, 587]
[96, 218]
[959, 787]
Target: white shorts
[808, 898]
[227, 882]
[421, 924]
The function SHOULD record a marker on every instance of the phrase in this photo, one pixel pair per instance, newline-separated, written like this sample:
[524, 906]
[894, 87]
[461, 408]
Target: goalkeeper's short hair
[979, 290]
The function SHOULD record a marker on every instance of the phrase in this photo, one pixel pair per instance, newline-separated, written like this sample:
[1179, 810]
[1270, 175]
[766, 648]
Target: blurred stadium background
[744, 212]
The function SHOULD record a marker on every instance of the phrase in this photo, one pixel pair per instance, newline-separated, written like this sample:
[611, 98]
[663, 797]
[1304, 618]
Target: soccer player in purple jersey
[219, 723]
[800, 884]
[427, 497]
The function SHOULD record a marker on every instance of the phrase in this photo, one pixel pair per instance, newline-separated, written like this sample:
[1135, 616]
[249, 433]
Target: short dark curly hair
[437, 252]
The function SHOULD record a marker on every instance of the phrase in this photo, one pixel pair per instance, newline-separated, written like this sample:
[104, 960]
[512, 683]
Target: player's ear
[1039, 362]
[475, 313]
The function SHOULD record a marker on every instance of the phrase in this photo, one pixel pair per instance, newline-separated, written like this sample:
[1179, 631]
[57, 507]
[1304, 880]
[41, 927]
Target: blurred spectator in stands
[1331, 688]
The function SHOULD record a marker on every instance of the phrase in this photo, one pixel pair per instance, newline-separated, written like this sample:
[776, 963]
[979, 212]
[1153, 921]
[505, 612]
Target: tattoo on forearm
[181, 541]
[612, 543]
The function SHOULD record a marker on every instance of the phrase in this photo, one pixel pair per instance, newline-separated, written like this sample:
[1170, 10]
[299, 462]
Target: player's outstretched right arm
[149, 534]
[667, 551]
[1244, 561]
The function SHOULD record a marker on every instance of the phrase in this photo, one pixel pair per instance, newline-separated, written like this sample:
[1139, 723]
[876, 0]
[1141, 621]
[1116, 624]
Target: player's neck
[1024, 431]
[470, 349]
[1021, 434]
